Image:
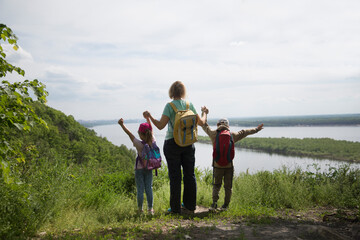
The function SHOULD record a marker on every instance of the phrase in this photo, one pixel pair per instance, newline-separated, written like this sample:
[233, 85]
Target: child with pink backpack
[223, 153]
[148, 158]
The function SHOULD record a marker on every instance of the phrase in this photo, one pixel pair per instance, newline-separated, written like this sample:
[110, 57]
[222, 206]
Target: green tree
[16, 111]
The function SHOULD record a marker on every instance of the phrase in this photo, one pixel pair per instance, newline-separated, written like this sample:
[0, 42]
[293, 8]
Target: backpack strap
[217, 146]
[175, 109]
[173, 106]
[230, 146]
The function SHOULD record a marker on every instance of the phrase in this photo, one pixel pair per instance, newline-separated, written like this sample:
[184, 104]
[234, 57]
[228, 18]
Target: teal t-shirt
[170, 113]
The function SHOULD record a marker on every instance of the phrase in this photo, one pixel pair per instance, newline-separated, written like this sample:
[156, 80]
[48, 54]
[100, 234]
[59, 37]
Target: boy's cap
[223, 121]
[144, 127]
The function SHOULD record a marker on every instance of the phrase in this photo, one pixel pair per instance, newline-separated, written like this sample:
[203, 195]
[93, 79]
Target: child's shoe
[213, 206]
[224, 207]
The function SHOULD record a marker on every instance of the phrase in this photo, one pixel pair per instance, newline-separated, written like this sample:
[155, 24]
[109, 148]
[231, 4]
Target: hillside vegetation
[77, 180]
[67, 161]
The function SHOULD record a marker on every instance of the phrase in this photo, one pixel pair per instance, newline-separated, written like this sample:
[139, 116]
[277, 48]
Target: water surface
[249, 160]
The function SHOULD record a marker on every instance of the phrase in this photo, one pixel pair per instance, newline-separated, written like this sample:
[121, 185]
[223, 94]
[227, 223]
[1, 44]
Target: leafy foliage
[47, 164]
[16, 111]
[71, 167]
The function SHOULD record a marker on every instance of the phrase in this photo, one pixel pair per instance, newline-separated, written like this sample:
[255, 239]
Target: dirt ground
[323, 223]
[319, 223]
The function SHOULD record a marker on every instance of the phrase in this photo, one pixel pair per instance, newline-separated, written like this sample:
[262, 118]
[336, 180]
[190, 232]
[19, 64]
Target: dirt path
[320, 223]
[324, 224]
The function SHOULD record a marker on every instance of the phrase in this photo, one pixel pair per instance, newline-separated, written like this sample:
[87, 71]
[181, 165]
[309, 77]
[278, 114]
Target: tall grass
[90, 199]
[94, 203]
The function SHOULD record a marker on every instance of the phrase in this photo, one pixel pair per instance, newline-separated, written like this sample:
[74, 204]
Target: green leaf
[19, 126]
[6, 172]
[20, 159]
[16, 111]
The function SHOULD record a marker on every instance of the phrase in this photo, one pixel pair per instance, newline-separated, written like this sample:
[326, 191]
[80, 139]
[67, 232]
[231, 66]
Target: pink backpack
[150, 157]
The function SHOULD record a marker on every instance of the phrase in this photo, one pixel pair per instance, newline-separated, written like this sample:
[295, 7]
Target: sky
[106, 59]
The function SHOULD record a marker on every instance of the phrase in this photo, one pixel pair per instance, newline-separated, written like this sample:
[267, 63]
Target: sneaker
[185, 210]
[151, 211]
[224, 207]
[213, 206]
[169, 211]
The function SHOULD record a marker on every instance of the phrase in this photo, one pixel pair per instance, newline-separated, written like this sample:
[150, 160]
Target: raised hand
[121, 122]
[205, 110]
[146, 114]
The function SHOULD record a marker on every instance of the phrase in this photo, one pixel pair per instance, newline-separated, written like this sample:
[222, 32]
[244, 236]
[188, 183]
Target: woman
[176, 156]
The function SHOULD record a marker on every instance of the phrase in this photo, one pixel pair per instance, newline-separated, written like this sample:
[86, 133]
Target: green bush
[16, 215]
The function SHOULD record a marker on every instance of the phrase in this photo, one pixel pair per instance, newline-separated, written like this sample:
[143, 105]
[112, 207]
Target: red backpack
[223, 149]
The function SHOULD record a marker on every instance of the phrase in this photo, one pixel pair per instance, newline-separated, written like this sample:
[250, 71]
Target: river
[249, 160]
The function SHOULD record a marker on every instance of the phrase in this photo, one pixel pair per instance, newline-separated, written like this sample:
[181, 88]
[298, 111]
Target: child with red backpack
[148, 158]
[223, 153]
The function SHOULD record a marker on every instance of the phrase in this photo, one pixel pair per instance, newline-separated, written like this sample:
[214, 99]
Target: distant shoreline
[318, 148]
[277, 121]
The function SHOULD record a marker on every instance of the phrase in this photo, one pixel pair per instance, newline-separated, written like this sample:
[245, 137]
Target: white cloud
[16, 57]
[263, 57]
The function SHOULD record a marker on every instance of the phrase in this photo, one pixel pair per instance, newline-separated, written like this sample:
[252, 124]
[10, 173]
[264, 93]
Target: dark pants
[177, 157]
[218, 175]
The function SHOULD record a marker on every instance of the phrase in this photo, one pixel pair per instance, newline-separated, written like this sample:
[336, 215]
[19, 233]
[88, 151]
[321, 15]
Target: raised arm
[204, 112]
[160, 124]
[260, 127]
[202, 120]
[126, 130]
[244, 133]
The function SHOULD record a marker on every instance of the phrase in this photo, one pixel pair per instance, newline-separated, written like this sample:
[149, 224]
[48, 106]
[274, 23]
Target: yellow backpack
[185, 126]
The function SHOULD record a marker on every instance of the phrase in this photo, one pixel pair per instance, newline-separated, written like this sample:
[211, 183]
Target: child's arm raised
[260, 127]
[148, 121]
[202, 120]
[244, 133]
[204, 112]
[160, 124]
[127, 131]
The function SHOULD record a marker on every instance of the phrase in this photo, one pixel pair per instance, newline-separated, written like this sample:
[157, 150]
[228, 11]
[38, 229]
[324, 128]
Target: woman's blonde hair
[177, 90]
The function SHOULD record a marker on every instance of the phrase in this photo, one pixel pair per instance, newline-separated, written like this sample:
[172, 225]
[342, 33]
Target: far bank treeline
[279, 121]
[285, 121]
[321, 148]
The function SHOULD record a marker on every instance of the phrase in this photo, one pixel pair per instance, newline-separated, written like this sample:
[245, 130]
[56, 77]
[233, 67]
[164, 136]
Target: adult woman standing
[176, 156]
